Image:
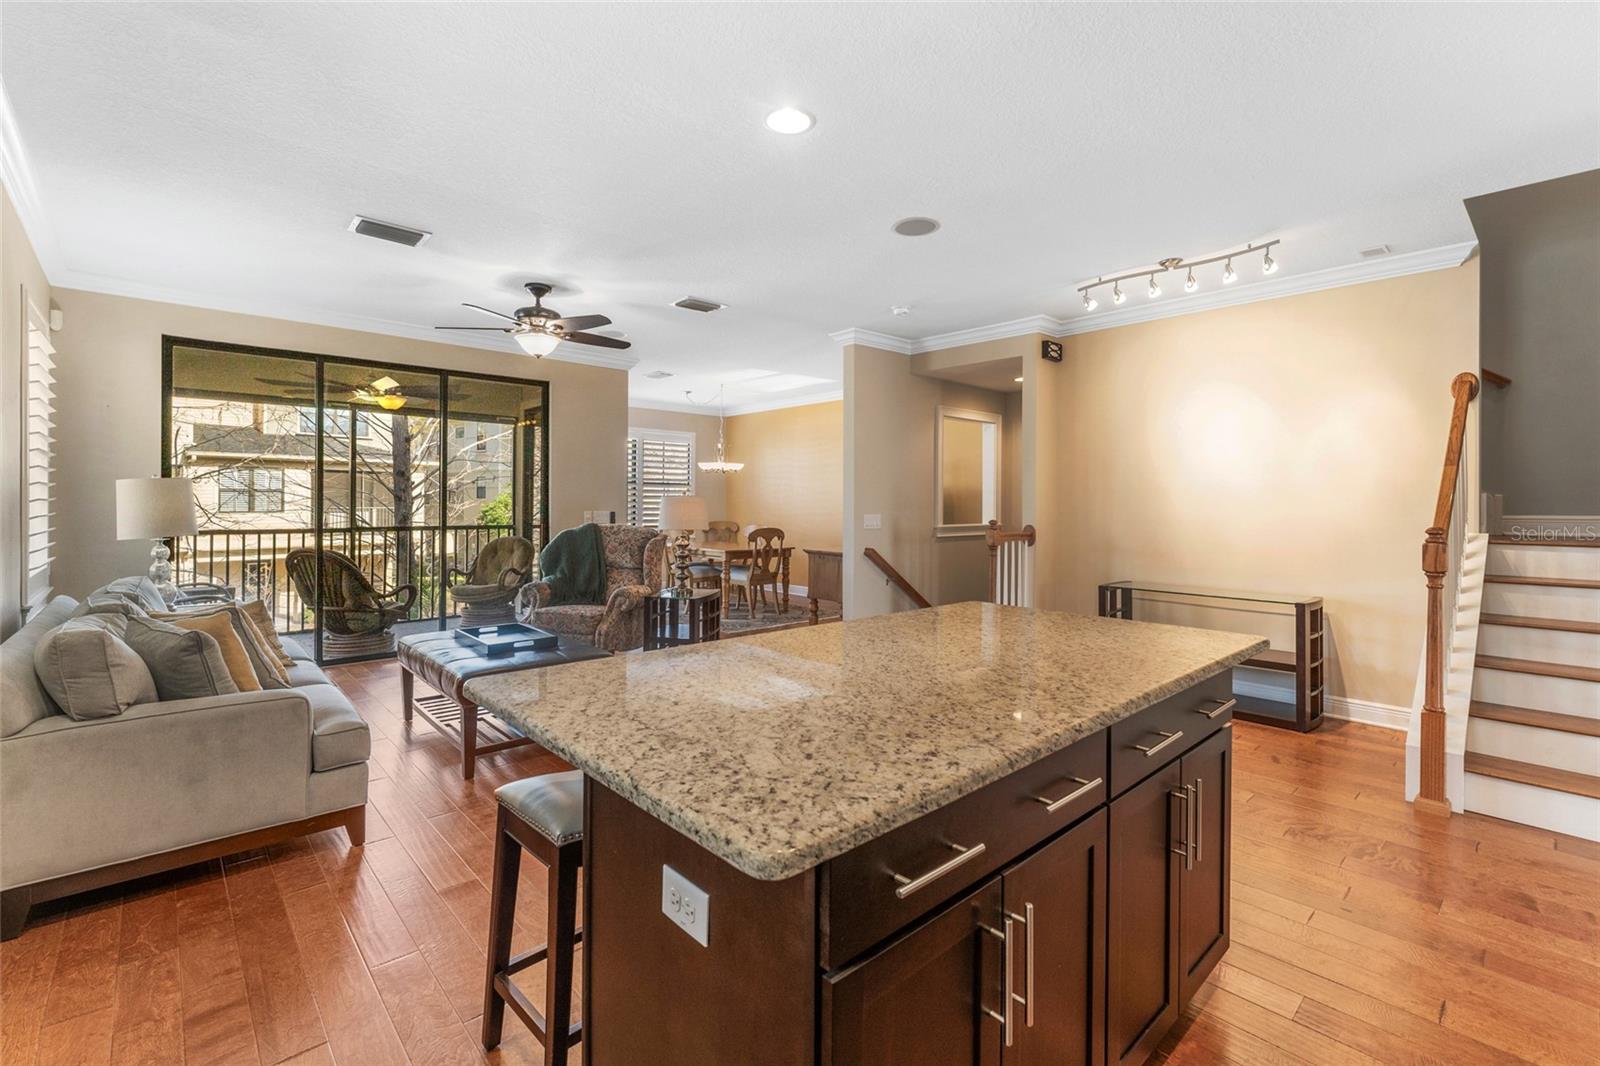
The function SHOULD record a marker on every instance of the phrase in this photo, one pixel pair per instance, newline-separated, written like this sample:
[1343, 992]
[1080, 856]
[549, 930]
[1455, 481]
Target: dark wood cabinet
[927, 998]
[1143, 915]
[1203, 934]
[1056, 900]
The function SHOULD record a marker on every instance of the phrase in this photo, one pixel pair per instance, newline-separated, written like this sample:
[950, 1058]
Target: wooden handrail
[1010, 586]
[1435, 564]
[893, 575]
[1495, 378]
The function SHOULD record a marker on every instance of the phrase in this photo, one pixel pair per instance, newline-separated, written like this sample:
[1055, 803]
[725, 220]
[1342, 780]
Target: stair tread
[1530, 716]
[1528, 773]
[1570, 625]
[1560, 542]
[1543, 669]
[1549, 582]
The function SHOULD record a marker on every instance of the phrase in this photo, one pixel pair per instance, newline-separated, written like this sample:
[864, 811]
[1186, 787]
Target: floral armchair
[634, 558]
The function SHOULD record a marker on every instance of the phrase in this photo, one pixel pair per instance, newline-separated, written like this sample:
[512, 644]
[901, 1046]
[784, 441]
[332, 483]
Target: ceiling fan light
[537, 345]
[390, 402]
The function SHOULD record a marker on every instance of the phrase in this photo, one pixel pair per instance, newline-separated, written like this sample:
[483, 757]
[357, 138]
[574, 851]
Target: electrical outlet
[872, 521]
[686, 904]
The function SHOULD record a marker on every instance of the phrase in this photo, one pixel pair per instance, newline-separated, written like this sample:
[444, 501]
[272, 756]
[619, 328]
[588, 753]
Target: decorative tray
[506, 639]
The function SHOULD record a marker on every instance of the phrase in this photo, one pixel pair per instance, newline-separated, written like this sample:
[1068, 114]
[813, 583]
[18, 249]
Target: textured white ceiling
[214, 153]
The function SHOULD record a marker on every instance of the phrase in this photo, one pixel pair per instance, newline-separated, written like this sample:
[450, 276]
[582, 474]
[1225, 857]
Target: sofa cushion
[305, 672]
[185, 663]
[339, 735]
[269, 632]
[23, 701]
[89, 671]
[265, 669]
[220, 628]
[139, 591]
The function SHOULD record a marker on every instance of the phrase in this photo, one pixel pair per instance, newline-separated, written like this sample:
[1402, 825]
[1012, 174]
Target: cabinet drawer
[1158, 734]
[889, 882]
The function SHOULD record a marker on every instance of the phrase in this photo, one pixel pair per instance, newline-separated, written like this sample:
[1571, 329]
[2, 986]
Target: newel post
[1430, 793]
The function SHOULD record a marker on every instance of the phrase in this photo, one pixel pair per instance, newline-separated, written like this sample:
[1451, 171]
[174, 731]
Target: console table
[1305, 661]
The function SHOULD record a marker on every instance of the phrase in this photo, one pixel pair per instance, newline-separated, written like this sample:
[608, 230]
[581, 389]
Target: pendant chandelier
[720, 465]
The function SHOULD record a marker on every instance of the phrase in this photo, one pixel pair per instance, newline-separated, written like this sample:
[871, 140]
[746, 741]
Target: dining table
[727, 556]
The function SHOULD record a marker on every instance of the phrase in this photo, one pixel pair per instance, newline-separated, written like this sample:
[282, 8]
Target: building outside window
[249, 490]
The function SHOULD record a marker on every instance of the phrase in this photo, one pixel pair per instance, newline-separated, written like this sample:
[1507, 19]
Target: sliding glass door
[327, 484]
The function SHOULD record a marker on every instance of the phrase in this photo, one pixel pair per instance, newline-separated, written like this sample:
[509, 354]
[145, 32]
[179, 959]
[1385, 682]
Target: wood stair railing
[874, 557]
[1011, 565]
[1436, 563]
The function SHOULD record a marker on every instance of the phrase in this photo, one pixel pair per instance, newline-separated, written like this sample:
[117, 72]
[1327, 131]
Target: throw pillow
[186, 663]
[90, 671]
[258, 613]
[220, 628]
[263, 662]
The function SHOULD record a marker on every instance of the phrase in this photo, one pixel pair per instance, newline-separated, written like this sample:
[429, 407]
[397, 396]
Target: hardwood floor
[1361, 933]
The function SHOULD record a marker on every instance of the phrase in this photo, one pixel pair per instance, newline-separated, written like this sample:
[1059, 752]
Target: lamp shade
[683, 512]
[150, 508]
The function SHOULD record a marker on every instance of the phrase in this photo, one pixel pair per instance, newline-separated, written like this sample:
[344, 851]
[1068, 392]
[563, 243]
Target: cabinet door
[1056, 901]
[1208, 782]
[1142, 917]
[925, 999]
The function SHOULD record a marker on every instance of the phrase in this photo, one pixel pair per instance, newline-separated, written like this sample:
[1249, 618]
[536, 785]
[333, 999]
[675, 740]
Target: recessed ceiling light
[1017, 380]
[789, 120]
[900, 312]
[916, 226]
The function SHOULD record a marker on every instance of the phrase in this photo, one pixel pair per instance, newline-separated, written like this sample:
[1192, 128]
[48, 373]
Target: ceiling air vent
[388, 231]
[694, 303]
[1375, 251]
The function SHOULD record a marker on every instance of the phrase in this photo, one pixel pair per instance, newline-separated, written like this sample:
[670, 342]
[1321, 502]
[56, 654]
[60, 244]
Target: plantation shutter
[39, 416]
[659, 465]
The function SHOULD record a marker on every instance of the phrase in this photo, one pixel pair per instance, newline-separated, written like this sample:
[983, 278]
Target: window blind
[659, 465]
[38, 476]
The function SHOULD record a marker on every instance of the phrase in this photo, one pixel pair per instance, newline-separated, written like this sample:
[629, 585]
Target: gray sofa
[89, 803]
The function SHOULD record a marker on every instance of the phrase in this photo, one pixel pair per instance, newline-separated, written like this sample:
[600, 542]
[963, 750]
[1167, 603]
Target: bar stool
[543, 814]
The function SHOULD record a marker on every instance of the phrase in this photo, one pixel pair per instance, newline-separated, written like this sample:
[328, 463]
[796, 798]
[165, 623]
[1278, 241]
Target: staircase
[1533, 725]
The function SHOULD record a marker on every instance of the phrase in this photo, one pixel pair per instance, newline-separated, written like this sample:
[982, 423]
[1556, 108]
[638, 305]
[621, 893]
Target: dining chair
[765, 567]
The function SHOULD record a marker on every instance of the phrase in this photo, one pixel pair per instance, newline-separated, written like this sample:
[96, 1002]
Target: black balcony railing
[251, 562]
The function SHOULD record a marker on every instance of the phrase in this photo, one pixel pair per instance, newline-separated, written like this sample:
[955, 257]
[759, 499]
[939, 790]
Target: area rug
[766, 618]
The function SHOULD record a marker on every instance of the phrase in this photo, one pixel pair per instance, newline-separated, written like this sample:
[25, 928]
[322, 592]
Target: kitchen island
[964, 834]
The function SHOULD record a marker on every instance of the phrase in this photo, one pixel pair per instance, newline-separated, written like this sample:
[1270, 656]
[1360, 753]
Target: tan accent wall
[710, 487]
[1290, 445]
[793, 476]
[890, 418]
[21, 277]
[109, 366]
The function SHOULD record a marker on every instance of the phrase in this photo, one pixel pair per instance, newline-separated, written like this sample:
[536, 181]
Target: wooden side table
[671, 619]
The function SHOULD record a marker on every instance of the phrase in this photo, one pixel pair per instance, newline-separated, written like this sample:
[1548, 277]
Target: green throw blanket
[573, 564]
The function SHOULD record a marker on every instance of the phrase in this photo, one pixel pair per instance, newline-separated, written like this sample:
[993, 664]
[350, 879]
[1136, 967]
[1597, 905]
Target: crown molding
[316, 316]
[1390, 266]
[833, 392]
[870, 338]
[17, 176]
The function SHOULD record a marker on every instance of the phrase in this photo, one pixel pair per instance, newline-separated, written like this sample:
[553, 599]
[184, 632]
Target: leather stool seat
[552, 804]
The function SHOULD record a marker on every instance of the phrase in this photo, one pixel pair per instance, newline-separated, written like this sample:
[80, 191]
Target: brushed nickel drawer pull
[1026, 918]
[1223, 706]
[1151, 749]
[1199, 815]
[909, 885]
[1052, 806]
[1185, 796]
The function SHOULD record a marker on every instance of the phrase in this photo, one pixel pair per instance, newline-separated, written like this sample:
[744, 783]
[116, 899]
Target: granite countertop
[780, 751]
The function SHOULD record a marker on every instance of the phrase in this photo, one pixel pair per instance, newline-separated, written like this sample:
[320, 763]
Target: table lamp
[682, 516]
[155, 508]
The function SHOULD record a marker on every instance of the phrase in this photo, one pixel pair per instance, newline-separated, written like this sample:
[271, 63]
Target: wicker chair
[489, 587]
[634, 563]
[356, 618]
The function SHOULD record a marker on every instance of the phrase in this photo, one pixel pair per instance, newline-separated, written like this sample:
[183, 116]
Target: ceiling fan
[538, 329]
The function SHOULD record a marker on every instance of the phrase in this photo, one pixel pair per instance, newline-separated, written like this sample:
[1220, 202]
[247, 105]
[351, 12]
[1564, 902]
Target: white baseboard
[1365, 711]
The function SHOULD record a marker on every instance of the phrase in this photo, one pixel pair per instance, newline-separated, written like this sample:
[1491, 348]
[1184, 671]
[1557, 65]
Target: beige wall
[890, 417]
[710, 487]
[21, 277]
[793, 476]
[1290, 445]
[109, 367]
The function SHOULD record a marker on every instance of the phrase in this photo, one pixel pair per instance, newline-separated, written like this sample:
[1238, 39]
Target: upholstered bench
[446, 665]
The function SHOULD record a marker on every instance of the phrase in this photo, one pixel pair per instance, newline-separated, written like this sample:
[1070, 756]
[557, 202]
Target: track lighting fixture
[1191, 283]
